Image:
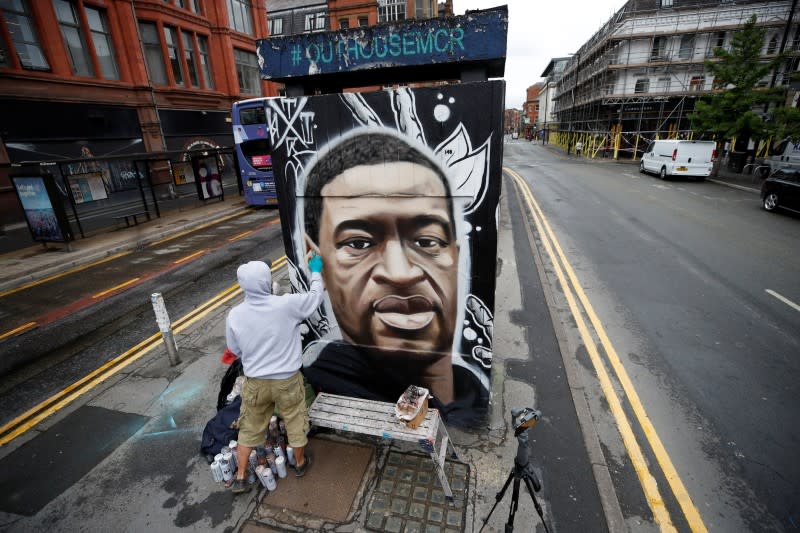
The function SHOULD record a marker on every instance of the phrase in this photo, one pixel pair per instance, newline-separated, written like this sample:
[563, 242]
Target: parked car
[781, 189]
[679, 158]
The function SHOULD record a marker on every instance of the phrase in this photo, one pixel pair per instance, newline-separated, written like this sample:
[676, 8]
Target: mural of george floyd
[398, 192]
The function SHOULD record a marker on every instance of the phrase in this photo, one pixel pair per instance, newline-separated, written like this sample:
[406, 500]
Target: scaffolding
[638, 77]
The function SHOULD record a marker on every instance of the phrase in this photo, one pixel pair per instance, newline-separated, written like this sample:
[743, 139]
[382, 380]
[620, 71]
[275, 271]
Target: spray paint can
[271, 462]
[229, 457]
[216, 472]
[279, 452]
[253, 460]
[234, 446]
[251, 476]
[226, 450]
[280, 462]
[260, 474]
[290, 456]
[268, 479]
[218, 457]
[225, 465]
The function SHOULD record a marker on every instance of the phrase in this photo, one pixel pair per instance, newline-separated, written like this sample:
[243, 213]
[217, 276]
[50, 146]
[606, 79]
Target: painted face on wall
[388, 244]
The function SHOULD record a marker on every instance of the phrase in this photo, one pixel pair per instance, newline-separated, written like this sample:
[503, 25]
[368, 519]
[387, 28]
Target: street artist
[264, 331]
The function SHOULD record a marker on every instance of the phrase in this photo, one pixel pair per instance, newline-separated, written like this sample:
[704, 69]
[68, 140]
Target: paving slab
[329, 488]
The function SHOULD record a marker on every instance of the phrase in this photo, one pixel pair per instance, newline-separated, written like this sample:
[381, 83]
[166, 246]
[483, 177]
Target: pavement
[155, 414]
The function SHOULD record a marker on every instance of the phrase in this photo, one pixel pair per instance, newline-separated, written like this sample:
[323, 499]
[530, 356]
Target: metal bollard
[165, 326]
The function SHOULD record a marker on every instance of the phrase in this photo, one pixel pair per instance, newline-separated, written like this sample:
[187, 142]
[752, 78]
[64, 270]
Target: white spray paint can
[269, 479]
[280, 463]
[260, 474]
[227, 472]
[230, 458]
[279, 452]
[226, 450]
[290, 456]
[271, 463]
[216, 472]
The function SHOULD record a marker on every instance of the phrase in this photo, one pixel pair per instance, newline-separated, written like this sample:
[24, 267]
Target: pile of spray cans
[266, 463]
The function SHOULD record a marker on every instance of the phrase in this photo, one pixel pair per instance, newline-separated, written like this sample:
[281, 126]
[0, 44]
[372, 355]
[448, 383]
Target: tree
[731, 111]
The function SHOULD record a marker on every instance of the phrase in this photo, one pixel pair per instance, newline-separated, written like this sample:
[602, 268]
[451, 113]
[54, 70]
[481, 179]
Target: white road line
[785, 300]
[633, 176]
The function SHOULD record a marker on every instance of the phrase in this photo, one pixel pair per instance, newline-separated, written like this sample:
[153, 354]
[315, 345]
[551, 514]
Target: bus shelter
[89, 195]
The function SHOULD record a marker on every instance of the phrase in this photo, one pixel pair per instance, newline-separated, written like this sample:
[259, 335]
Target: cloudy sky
[539, 30]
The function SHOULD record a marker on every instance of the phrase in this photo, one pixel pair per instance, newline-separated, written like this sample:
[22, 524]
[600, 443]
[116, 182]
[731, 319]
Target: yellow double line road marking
[116, 288]
[17, 330]
[563, 271]
[190, 256]
[36, 414]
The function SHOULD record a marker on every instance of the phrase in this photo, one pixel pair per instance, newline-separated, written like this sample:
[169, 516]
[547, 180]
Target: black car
[782, 189]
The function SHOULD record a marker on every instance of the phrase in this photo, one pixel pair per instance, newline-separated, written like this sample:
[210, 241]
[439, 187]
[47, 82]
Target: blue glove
[315, 263]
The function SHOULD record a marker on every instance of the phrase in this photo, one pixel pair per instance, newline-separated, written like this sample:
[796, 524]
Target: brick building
[99, 77]
[530, 108]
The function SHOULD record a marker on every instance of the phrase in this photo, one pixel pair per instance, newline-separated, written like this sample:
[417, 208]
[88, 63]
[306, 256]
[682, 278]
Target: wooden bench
[370, 417]
[132, 217]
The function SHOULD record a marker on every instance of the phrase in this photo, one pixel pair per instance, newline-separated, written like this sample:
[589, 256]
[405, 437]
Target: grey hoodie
[264, 330]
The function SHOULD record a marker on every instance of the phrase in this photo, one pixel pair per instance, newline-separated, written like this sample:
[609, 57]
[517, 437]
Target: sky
[539, 30]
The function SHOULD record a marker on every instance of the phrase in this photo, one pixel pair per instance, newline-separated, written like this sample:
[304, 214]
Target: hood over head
[255, 279]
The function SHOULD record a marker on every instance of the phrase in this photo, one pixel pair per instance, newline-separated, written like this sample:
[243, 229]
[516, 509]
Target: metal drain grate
[409, 498]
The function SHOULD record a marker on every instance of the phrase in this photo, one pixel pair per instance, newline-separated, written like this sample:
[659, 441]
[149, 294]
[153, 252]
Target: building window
[188, 53]
[314, 21]
[424, 9]
[205, 65]
[772, 47]
[152, 53]
[24, 36]
[697, 83]
[662, 85]
[363, 21]
[657, 51]
[74, 39]
[720, 39]
[240, 16]
[344, 24]
[687, 47]
[174, 54]
[666, 3]
[275, 26]
[247, 71]
[103, 44]
[391, 10]
[642, 85]
[194, 6]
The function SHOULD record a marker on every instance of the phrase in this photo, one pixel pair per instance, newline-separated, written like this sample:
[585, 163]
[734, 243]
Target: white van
[679, 158]
[783, 156]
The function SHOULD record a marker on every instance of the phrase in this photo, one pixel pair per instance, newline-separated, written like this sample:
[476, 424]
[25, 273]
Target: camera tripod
[522, 419]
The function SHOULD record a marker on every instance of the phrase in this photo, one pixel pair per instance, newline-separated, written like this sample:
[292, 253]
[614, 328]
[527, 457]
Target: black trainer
[240, 486]
[300, 471]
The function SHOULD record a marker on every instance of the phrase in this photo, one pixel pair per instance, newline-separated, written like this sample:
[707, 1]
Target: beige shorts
[259, 398]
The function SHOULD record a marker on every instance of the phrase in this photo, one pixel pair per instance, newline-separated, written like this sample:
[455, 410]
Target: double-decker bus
[253, 154]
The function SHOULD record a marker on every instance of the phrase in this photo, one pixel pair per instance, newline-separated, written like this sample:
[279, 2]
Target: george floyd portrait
[388, 189]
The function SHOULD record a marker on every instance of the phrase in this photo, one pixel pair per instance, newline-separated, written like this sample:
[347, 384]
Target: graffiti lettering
[394, 44]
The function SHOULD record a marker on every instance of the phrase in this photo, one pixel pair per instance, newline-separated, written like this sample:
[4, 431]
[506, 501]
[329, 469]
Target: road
[79, 325]
[693, 284]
